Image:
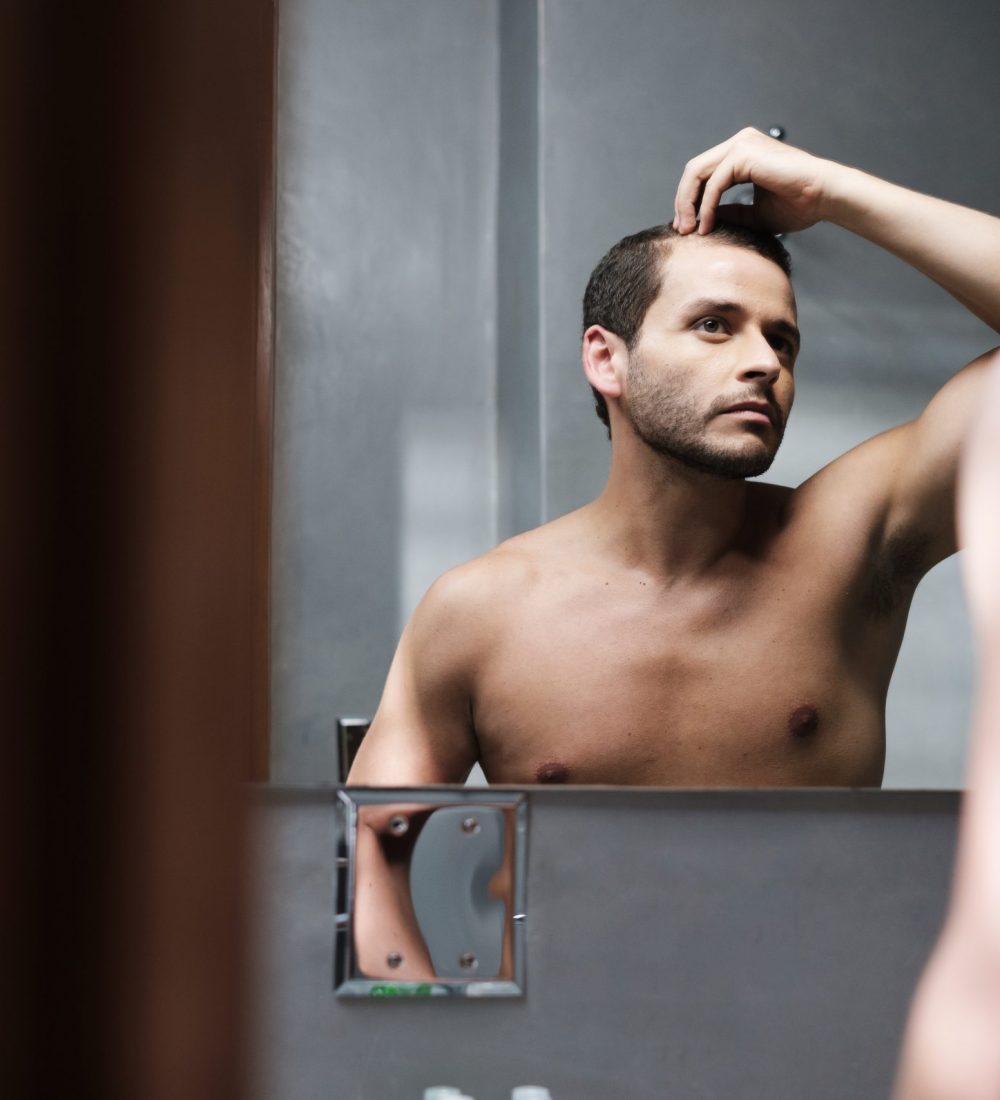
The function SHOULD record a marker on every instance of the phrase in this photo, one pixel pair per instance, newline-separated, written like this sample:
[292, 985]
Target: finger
[720, 181]
[689, 189]
[696, 172]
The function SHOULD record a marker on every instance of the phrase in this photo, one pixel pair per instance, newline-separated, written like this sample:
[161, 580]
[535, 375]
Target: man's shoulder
[482, 585]
[851, 489]
[824, 512]
[490, 585]
[841, 512]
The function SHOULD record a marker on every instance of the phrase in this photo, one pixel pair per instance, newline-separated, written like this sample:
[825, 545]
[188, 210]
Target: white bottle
[531, 1092]
[442, 1092]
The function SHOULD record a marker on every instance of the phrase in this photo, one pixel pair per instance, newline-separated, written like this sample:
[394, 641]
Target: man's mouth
[753, 412]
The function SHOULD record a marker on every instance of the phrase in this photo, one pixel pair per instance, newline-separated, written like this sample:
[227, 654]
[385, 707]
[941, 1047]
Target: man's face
[709, 381]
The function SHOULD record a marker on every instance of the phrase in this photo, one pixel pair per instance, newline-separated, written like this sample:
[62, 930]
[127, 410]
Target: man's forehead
[695, 269]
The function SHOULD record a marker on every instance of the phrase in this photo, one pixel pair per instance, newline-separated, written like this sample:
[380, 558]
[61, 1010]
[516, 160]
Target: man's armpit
[898, 563]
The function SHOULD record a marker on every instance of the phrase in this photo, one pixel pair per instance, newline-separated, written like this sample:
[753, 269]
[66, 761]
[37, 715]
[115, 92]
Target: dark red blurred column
[135, 413]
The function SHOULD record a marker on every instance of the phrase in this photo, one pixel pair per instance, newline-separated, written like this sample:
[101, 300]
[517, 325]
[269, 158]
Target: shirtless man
[689, 627]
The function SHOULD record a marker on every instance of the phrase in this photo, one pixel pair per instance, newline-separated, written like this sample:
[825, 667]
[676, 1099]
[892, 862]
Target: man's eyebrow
[701, 306]
[711, 305]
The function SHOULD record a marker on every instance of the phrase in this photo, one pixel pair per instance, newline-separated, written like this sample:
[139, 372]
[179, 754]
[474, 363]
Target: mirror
[430, 894]
[440, 206]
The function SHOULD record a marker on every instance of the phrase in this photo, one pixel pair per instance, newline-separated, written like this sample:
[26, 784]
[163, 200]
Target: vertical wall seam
[543, 451]
[518, 384]
[494, 533]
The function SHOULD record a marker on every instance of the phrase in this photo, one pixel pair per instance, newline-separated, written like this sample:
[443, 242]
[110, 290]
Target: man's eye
[711, 325]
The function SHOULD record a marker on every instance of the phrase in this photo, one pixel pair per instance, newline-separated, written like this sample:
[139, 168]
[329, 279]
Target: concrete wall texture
[448, 174]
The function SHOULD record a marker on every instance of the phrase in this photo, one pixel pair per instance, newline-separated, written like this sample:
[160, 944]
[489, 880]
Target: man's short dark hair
[627, 280]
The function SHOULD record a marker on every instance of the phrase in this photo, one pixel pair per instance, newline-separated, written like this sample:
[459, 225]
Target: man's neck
[659, 515]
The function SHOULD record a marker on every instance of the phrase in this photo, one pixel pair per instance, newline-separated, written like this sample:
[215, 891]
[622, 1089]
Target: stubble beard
[668, 420]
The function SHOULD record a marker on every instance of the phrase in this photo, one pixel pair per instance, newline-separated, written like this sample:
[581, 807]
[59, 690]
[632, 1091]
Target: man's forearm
[957, 247]
[977, 885]
[976, 897]
[951, 1045]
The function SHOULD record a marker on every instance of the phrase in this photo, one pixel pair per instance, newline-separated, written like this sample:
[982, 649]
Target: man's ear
[605, 360]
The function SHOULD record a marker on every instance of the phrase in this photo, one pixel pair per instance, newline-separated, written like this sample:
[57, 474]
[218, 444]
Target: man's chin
[728, 465]
[730, 458]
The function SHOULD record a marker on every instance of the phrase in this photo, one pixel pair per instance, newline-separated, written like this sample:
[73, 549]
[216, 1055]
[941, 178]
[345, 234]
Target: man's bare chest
[747, 684]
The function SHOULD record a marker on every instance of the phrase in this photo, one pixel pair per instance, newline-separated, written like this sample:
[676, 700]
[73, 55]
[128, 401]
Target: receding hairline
[665, 246]
[658, 243]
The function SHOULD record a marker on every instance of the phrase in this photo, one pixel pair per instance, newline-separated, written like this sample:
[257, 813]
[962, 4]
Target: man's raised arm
[422, 731]
[956, 247]
[906, 476]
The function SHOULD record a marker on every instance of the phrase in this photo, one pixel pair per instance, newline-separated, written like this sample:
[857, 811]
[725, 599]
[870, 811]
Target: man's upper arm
[422, 731]
[905, 479]
[923, 491]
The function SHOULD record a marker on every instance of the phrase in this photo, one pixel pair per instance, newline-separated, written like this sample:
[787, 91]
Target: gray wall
[449, 172]
[385, 405]
[679, 946]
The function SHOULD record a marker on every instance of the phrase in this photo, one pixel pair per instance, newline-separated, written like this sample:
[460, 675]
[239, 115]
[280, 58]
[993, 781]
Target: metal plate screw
[398, 825]
[777, 132]
[394, 959]
[468, 961]
[470, 825]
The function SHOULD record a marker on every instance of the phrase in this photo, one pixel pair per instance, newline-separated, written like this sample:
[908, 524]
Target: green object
[386, 990]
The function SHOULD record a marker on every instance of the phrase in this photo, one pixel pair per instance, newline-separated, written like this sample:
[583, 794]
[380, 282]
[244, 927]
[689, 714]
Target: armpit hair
[897, 566]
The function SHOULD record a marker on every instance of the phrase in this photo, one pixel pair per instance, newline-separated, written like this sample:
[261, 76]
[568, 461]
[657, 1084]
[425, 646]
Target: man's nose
[761, 362]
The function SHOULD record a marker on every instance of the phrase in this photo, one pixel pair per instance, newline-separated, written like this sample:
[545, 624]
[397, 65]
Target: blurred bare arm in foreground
[952, 1046]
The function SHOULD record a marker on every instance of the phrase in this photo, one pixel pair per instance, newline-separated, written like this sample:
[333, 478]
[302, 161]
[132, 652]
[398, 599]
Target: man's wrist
[846, 195]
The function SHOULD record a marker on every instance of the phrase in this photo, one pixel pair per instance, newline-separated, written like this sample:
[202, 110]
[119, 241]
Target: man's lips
[754, 412]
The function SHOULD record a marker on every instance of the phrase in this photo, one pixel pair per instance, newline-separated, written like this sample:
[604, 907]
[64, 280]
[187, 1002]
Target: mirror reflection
[432, 898]
[654, 613]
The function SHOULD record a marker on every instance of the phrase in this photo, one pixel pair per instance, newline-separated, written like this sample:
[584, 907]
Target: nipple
[553, 772]
[803, 722]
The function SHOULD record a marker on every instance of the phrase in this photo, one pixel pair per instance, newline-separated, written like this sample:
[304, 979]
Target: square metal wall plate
[430, 893]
